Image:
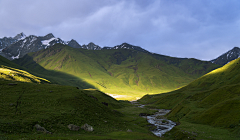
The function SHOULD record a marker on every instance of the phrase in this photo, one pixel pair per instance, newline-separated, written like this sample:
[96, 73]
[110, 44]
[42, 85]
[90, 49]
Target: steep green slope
[210, 102]
[125, 72]
[5, 62]
[9, 71]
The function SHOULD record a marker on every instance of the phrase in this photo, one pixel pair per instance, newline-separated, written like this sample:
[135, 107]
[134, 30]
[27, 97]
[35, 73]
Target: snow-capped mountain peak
[23, 45]
[20, 36]
[126, 46]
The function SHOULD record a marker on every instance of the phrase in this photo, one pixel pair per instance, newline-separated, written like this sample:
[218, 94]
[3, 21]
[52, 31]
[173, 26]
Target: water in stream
[163, 125]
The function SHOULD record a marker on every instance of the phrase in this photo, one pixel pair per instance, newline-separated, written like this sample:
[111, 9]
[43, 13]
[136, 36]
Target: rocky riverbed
[163, 125]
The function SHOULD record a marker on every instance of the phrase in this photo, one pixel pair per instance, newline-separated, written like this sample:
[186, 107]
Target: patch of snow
[24, 41]
[22, 37]
[34, 38]
[46, 42]
[16, 57]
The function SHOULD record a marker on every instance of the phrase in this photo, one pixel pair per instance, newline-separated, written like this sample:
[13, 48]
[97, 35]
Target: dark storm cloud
[202, 29]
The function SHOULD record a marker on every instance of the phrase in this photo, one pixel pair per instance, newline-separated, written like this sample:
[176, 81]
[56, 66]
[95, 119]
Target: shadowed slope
[56, 77]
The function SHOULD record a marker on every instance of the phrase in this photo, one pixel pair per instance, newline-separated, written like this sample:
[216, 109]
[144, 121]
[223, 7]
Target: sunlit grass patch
[14, 74]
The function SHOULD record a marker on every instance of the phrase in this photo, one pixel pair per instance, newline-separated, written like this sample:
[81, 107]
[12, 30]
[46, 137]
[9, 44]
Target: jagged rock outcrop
[126, 46]
[73, 43]
[20, 36]
[91, 46]
[227, 57]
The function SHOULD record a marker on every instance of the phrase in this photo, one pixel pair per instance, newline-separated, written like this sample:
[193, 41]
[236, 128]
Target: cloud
[201, 29]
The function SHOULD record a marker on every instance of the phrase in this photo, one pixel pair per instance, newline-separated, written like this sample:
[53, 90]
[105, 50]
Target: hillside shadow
[55, 77]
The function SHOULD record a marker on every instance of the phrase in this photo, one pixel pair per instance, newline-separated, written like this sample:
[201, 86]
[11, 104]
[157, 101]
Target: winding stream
[163, 125]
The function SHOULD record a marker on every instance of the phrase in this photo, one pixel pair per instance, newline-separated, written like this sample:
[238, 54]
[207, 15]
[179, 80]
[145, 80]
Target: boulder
[41, 129]
[87, 127]
[129, 130]
[73, 127]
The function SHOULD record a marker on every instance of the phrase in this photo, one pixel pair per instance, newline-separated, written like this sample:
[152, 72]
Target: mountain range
[115, 70]
[61, 85]
[18, 46]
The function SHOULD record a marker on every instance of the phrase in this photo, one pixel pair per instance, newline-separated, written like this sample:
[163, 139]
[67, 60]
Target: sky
[201, 29]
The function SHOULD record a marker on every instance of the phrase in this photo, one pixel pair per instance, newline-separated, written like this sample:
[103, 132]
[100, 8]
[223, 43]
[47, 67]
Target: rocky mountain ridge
[20, 45]
[227, 57]
[7, 41]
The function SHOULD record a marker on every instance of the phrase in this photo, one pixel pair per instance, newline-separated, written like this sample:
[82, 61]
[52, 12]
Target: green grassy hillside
[53, 107]
[126, 72]
[27, 100]
[208, 108]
